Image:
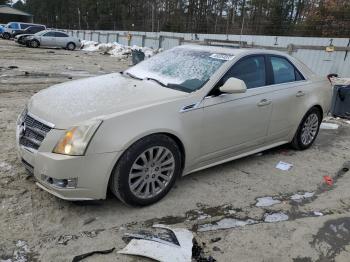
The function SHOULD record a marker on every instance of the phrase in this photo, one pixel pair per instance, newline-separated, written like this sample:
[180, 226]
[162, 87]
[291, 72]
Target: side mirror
[233, 86]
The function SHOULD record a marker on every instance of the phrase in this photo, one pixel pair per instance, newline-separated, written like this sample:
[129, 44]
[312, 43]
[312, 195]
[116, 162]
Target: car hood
[73, 102]
[18, 36]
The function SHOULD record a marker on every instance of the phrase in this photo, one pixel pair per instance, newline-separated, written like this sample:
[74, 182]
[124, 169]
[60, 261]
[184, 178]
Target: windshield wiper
[156, 80]
[131, 75]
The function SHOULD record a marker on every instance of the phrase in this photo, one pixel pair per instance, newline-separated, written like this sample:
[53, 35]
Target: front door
[48, 39]
[237, 122]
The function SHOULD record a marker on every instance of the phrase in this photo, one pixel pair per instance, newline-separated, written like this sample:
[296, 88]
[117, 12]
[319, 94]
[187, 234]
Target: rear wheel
[146, 171]
[308, 129]
[34, 43]
[70, 46]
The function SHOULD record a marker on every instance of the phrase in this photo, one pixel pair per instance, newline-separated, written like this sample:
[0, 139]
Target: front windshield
[185, 69]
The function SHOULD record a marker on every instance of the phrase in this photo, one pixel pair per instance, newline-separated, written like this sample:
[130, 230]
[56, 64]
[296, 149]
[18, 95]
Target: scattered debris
[5, 167]
[266, 201]
[89, 220]
[63, 240]
[329, 126]
[198, 253]
[328, 180]
[225, 223]
[21, 252]
[299, 197]
[284, 166]
[83, 256]
[215, 248]
[317, 213]
[275, 217]
[167, 245]
[214, 240]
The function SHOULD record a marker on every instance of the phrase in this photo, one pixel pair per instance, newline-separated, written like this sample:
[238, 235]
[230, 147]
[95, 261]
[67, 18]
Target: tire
[34, 43]
[70, 46]
[307, 130]
[136, 174]
[6, 36]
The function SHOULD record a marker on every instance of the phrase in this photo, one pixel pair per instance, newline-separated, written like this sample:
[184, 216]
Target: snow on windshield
[190, 68]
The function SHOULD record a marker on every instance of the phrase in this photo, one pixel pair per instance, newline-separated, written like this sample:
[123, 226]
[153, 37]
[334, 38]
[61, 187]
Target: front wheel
[308, 129]
[34, 43]
[146, 171]
[6, 36]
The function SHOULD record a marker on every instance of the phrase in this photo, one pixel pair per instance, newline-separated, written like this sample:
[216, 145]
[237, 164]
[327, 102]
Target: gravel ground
[218, 204]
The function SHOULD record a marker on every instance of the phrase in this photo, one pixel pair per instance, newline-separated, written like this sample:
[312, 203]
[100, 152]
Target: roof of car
[229, 50]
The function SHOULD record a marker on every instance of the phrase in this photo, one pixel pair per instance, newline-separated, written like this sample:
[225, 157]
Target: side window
[251, 70]
[52, 34]
[13, 26]
[24, 26]
[284, 71]
[59, 34]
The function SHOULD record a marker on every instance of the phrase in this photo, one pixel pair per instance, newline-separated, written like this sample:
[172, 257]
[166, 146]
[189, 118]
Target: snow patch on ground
[266, 201]
[116, 50]
[5, 167]
[226, 223]
[276, 217]
[302, 196]
[329, 126]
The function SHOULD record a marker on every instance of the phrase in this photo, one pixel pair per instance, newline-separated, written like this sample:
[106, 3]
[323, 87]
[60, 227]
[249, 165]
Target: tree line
[261, 17]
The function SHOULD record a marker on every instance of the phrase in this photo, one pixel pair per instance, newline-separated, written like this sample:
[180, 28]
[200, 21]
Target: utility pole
[152, 6]
[79, 18]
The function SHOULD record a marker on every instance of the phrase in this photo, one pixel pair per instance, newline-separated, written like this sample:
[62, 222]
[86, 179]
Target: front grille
[33, 132]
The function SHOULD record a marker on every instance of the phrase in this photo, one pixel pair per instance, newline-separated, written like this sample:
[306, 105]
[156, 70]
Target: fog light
[60, 183]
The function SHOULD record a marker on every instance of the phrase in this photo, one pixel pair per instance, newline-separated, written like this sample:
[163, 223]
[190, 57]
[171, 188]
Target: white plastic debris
[266, 201]
[226, 223]
[302, 196]
[162, 251]
[329, 126]
[276, 217]
[284, 166]
[317, 213]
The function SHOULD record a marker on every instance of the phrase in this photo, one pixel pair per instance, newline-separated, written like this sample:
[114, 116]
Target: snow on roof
[5, 9]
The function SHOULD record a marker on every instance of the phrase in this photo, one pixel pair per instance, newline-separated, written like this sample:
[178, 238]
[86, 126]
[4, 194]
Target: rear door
[289, 93]
[61, 39]
[237, 122]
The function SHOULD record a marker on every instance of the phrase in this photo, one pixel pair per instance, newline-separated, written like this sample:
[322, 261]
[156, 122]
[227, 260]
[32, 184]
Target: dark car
[19, 36]
[12, 28]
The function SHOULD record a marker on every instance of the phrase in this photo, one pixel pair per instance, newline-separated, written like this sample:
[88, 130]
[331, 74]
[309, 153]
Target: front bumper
[91, 171]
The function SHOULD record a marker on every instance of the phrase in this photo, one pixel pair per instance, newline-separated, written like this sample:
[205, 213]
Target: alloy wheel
[309, 129]
[151, 172]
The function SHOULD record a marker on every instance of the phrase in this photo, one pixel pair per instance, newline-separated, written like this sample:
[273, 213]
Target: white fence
[310, 50]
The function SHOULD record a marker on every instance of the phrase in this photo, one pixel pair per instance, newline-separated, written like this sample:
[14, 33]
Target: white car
[51, 38]
[183, 110]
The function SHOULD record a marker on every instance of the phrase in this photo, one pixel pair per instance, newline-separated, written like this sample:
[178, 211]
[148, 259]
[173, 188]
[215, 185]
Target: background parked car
[2, 29]
[20, 35]
[50, 38]
[12, 27]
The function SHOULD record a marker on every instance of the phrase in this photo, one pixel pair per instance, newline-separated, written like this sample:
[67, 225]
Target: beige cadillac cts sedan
[181, 111]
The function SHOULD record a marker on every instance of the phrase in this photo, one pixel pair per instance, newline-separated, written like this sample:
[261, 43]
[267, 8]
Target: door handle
[264, 102]
[300, 94]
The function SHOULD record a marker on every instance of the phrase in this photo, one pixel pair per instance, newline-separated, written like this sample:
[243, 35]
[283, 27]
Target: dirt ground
[36, 226]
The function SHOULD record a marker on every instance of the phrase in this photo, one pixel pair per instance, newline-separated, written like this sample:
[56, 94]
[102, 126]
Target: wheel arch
[173, 136]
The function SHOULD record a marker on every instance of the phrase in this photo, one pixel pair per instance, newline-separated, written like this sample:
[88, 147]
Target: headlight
[76, 139]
